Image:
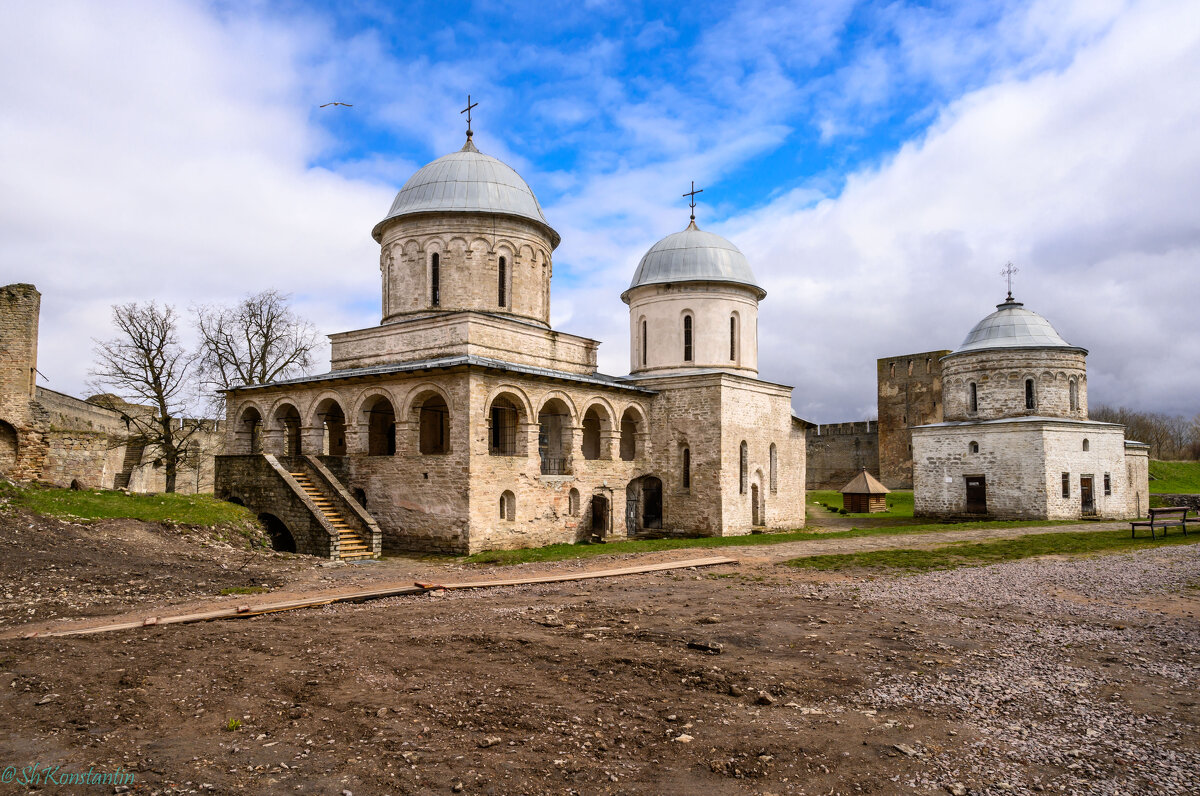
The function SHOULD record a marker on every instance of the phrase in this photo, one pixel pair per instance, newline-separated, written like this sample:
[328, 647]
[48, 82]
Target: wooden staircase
[351, 545]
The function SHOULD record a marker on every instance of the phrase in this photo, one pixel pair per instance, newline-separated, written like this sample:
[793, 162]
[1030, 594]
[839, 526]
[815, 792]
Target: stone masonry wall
[468, 264]
[837, 451]
[999, 376]
[252, 482]
[23, 426]
[909, 394]
[1010, 458]
[462, 333]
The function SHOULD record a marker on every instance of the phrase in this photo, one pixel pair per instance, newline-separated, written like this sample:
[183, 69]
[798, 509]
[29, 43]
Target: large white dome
[1013, 326]
[694, 255]
[467, 181]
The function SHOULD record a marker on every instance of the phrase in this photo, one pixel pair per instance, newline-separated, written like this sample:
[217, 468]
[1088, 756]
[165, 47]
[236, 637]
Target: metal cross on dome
[467, 110]
[692, 193]
[1008, 272]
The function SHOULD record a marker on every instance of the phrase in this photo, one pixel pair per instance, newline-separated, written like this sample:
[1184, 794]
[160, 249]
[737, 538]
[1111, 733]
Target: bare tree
[145, 375]
[259, 340]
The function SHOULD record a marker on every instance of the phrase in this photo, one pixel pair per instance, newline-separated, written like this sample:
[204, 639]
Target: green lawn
[560, 552]
[1176, 477]
[95, 504]
[974, 554]
[900, 503]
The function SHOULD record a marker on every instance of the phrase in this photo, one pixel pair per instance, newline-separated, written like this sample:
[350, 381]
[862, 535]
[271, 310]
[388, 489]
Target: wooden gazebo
[864, 494]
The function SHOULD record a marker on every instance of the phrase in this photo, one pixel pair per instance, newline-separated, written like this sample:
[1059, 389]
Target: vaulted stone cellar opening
[281, 538]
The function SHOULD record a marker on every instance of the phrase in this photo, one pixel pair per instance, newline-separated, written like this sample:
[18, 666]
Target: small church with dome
[463, 422]
[1016, 441]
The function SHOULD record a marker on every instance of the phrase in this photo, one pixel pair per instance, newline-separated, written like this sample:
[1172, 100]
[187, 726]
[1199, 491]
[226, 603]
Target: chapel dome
[694, 255]
[471, 182]
[1013, 326]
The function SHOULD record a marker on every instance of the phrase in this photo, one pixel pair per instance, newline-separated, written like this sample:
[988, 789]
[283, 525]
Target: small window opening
[973, 447]
[1087, 446]
[1030, 403]
[687, 468]
[508, 506]
[687, 338]
[573, 502]
[643, 344]
[733, 339]
[435, 280]
[1074, 391]
[972, 397]
[503, 283]
[1107, 484]
[774, 468]
[1066, 485]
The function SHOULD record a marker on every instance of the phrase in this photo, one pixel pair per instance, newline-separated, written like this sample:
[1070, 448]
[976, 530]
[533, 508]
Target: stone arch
[634, 432]
[427, 414]
[10, 447]
[285, 425]
[377, 416]
[282, 538]
[556, 422]
[329, 416]
[506, 414]
[248, 434]
[597, 424]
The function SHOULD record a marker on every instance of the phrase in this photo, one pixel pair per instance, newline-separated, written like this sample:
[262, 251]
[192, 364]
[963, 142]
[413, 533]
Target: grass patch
[560, 552]
[976, 554]
[99, 504]
[1181, 478]
[899, 502]
[244, 590]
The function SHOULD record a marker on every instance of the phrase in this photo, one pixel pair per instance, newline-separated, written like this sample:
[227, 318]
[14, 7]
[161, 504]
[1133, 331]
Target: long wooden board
[236, 612]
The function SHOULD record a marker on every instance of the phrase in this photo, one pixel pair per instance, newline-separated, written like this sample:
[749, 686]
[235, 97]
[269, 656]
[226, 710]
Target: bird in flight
[343, 104]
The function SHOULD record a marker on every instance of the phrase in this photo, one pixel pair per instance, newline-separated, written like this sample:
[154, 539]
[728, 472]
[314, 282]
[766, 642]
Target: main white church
[464, 422]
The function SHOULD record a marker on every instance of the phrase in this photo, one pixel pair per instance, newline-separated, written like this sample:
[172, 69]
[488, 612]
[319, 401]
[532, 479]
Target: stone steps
[351, 545]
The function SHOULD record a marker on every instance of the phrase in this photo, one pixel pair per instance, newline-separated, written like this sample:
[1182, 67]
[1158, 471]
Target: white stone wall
[711, 305]
[469, 247]
[1023, 463]
[999, 376]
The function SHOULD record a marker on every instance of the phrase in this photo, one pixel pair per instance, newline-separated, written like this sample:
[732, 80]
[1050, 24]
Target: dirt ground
[1075, 676]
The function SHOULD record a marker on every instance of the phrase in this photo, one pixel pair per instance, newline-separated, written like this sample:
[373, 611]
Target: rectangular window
[1066, 481]
[1107, 484]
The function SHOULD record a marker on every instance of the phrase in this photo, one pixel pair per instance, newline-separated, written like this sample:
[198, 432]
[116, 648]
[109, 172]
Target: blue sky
[878, 162]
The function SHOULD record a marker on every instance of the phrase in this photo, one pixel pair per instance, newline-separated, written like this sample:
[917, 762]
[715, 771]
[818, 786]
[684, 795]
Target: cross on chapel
[467, 110]
[1008, 272]
[692, 193]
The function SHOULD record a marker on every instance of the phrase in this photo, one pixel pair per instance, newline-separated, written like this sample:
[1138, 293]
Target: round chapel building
[462, 421]
[1016, 442]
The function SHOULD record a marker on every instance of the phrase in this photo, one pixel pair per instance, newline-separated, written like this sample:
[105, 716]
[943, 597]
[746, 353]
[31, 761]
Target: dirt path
[315, 581]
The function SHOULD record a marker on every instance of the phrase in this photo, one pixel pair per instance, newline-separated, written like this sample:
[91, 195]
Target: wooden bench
[1162, 518]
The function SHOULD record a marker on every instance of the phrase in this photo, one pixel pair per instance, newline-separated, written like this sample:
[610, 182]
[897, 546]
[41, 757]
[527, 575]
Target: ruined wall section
[909, 394]
[23, 424]
[838, 451]
[85, 442]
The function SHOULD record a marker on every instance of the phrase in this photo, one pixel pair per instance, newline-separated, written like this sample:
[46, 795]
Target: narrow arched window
[687, 338]
[972, 397]
[435, 280]
[743, 467]
[508, 506]
[733, 338]
[643, 343]
[573, 502]
[973, 447]
[502, 288]
[892, 370]
[687, 468]
[910, 367]
[928, 364]
[1074, 390]
[774, 468]
[1030, 402]
[1087, 446]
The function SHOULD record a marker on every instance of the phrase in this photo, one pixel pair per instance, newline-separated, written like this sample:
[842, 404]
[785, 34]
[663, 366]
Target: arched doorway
[249, 437]
[8, 447]
[333, 420]
[281, 538]
[380, 418]
[287, 418]
[643, 504]
[554, 437]
[600, 512]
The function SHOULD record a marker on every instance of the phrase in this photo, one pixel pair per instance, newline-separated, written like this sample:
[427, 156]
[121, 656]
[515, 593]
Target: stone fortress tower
[1016, 441]
[463, 422]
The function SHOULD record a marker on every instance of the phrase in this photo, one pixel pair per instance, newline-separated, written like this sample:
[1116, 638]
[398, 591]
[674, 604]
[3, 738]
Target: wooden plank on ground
[236, 612]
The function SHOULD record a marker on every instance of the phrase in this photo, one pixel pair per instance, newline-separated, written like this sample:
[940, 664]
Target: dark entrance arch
[599, 515]
[652, 504]
[281, 538]
[8, 447]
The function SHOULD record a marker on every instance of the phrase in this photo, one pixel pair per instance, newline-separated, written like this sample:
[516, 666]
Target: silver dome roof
[467, 181]
[1013, 326]
[694, 255]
